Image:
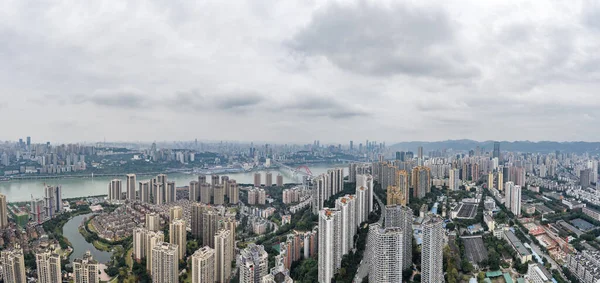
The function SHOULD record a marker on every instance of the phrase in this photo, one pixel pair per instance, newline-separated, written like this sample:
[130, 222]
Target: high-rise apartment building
[223, 256]
[421, 180]
[196, 219]
[171, 194]
[397, 216]
[131, 187]
[48, 267]
[205, 193]
[454, 181]
[330, 246]
[385, 247]
[362, 207]
[144, 191]
[279, 180]
[234, 192]
[3, 212]
[253, 263]
[165, 263]
[214, 180]
[490, 183]
[420, 152]
[584, 177]
[203, 265]
[336, 179]
[53, 199]
[432, 251]
[269, 179]
[347, 207]
[13, 265]
[219, 194]
[153, 221]
[194, 191]
[177, 236]
[366, 181]
[86, 269]
[257, 181]
[175, 212]
[500, 181]
[114, 190]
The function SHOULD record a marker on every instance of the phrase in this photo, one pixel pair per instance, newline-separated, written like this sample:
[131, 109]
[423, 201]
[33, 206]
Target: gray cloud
[376, 40]
[239, 101]
[126, 98]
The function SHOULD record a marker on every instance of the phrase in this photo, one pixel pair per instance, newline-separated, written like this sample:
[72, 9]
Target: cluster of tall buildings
[257, 196]
[158, 190]
[268, 180]
[398, 176]
[338, 225]
[326, 185]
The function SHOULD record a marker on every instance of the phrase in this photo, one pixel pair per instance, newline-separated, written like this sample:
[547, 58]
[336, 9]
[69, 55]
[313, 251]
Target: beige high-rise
[223, 256]
[86, 269]
[152, 240]
[203, 265]
[3, 212]
[131, 187]
[196, 219]
[234, 192]
[175, 212]
[219, 195]
[153, 221]
[177, 236]
[115, 190]
[48, 267]
[13, 265]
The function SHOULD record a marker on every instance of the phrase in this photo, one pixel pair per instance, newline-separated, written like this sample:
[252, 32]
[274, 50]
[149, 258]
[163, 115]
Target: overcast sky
[286, 71]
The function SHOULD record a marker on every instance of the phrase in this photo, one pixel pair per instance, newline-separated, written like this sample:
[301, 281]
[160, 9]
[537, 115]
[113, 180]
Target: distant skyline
[298, 71]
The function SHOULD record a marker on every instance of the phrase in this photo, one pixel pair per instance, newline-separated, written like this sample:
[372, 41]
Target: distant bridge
[300, 170]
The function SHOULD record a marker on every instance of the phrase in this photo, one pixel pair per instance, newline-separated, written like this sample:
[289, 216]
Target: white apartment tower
[432, 251]
[386, 251]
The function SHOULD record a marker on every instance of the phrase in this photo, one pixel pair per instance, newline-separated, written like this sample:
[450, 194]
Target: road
[363, 269]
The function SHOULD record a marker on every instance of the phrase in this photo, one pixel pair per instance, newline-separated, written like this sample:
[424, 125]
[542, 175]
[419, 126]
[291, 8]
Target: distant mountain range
[524, 146]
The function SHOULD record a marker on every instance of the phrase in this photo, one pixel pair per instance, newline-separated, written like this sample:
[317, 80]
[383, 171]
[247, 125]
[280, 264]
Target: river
[22, 190]
[80, 246]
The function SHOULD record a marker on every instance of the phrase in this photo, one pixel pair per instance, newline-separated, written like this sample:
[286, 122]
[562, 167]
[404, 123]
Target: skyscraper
[330, 250]
[584, 177]
[490, 183]
[203, 265]
[53, 199]
[114, 190]
[254, 264]
[257, 181]
[194, 191]
[165, 263]
[171, 195]
[177, 236]
[496, 153]
[205, 192]
[175, 212]
[223, 256]
[48, 267]
[196, 219]
[420, 152]
[500, 181]
[269, 179]
[421, 179]
[346, 206]
[131, 187]
[219, 194]
[86, 269]
[397, 216]
[366, 181]
[454, 182]
[432, 251]
[13, 265]
[234, 192]
[3, 212]
[279, 180]
[153, 221]
[152, 239]
[144, 188]
[386, 251]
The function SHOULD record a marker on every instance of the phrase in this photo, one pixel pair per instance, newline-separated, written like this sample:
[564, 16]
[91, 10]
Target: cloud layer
[295, 71]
